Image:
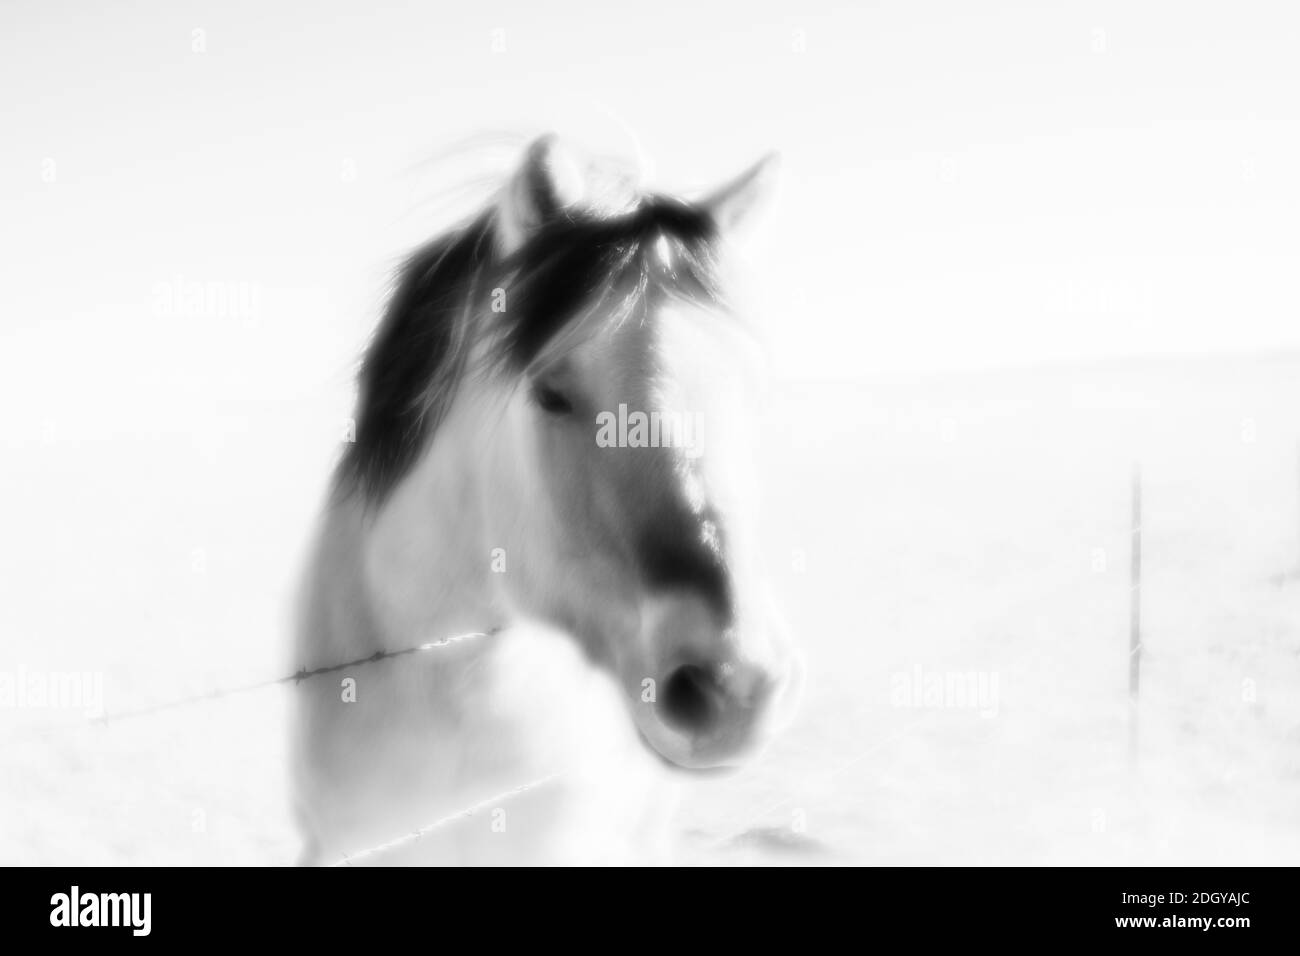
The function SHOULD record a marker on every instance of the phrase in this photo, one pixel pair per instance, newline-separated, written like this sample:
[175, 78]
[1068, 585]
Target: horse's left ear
[739, 200]
[547, 182]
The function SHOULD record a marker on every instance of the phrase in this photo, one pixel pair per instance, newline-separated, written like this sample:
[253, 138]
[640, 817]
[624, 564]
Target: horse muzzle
[715, 714]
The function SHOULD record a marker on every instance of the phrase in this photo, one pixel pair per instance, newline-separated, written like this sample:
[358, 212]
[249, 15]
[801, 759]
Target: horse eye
[551, 400]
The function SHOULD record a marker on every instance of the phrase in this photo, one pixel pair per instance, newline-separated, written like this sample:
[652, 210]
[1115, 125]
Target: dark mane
[441, 307]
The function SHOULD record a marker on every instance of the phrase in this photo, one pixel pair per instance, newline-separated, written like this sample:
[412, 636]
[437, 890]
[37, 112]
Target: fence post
[1135, 613]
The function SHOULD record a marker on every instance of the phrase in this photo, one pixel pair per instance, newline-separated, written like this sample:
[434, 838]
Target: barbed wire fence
[297, 677]
[220, 693]
[306, 674]
[303, 674]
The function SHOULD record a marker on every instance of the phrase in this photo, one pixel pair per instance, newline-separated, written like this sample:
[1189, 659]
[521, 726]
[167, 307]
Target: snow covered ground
[969, 529]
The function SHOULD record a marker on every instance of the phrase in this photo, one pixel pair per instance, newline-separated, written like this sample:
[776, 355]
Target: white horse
[552, 452]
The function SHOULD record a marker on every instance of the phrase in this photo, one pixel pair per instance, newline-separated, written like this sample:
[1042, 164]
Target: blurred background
[1016, 252]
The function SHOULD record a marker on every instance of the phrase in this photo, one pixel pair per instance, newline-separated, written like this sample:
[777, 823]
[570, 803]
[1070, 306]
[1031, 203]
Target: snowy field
[965, 528]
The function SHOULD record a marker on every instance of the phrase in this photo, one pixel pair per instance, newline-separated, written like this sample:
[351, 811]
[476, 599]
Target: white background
[988, 214]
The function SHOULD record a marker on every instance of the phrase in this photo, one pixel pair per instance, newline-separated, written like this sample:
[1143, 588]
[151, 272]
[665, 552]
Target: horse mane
[558, 280]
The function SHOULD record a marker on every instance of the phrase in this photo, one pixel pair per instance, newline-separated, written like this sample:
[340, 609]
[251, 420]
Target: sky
[963, 186]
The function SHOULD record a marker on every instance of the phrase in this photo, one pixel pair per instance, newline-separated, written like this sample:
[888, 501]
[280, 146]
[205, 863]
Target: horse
[518, 472]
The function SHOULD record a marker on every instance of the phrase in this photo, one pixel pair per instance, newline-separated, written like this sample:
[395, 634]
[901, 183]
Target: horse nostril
[692, 699]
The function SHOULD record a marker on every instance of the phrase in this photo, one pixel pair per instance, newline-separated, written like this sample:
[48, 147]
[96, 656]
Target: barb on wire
[420, 833]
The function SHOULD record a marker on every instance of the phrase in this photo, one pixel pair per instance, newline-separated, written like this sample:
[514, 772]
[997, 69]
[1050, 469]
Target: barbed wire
[297, 677]
[421, 832]
[305, 674]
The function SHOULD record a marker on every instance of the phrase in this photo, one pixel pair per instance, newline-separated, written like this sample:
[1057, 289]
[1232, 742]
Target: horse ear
[547, 182]
[731, 205]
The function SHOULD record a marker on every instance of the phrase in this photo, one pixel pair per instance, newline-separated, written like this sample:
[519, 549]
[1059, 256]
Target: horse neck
[423, 555]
